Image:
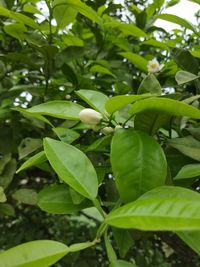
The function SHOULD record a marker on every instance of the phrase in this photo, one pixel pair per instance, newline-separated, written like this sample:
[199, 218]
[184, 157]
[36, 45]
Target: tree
[99, 135]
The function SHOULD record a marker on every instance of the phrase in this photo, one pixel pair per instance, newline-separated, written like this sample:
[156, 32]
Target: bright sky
[185, 9]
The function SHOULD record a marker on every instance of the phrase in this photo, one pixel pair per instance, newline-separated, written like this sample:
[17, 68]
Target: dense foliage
[99, 135]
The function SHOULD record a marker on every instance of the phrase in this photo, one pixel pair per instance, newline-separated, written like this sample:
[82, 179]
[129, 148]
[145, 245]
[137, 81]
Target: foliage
[99, 135]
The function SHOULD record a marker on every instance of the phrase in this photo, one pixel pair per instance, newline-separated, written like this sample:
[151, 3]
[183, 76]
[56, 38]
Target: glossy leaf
[26, 196]
[136, 60]
[166, 106]
[188, 171]
[187, 145]
[57, 199]
[142, 167]
[40, 253]
[32, 161]
[117, 102]
[58, 109]
[79, 174]
[165, 208]
[15, 30]
[95, 99]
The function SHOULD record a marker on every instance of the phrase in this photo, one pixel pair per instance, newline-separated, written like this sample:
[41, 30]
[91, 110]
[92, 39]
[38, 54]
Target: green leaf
[28, 146]
[15, 30]
[79, 174]
[177, 20]
[151, 121]
[95, 99]
[109, 249]
[2, 195]
[40, 253]
[188, 171]
[126, 29]
[82, 8]
[63, 13]
[58, 109]
[150, 85]
[124, 241]
[57, 199]
[25, 112]
[187, 145]
[8, 210]
[165, 208]
[166, 106]
[3, 161]
[155, 43]
[26, 196]
[192, 239]
[142, 167]
[32, 161]
[102, 70]
[185, 77]
[121, 263]
[185, 60]
[66, 135]
[70, 74]
[8, 173]
[137, 60]
[80, 246]
[117, 102]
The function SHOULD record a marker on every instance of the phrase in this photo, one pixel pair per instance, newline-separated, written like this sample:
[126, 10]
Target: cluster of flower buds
[94, 118]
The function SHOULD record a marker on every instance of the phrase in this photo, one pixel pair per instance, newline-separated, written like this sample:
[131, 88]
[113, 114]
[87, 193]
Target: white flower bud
[154, 66]
[118, 127]
[90, 116]
[107, 130]
[68, 97]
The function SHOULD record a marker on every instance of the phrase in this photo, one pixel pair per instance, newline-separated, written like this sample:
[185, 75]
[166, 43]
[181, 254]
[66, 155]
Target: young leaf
[188, 171]
[165, 208]
[142, 167]
[32, 161]
[40, 253]
[72, 166]
[58, 109]
[167, 106]
[57, 199]
[95, 99]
